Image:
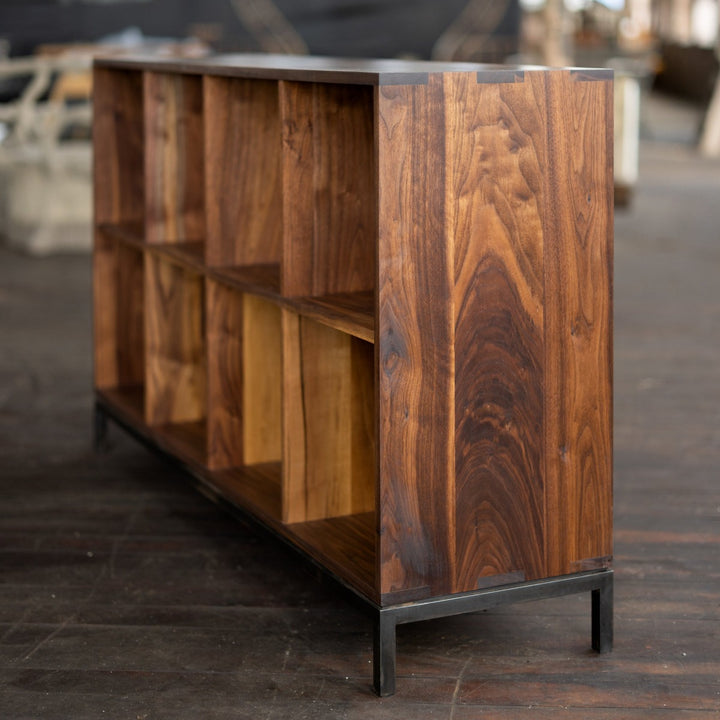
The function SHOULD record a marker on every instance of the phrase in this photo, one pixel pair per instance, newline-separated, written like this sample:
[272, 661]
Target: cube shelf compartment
[368, 303]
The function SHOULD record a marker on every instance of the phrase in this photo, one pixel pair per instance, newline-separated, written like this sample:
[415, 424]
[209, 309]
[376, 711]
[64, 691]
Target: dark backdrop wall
[351, 28]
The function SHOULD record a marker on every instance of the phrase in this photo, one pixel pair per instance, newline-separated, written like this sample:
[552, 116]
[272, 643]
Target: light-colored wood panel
[243, 175]
[578, 323]
[262, 380]
[174, 188]
[175, 386]
[118, 314]
[225, 375]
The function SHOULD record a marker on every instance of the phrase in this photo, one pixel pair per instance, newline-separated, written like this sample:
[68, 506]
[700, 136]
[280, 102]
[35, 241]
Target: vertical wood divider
[496, 136]
[225, 385]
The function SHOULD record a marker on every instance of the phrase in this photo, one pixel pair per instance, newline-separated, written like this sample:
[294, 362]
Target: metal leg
[602, 615]
[384, 647]
[100, 429]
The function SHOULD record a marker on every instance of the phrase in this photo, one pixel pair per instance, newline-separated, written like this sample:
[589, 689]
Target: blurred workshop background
[47, 46]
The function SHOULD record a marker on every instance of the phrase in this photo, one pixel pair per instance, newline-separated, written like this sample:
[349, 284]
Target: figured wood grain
[262, 380]
[175, 384]
[243, 175]
[328, 449]
[225, 342]
[495, 136]
[414, 344]
[578, 322]
[118, 189]
[174, 166]
[119, 314]
[328, 188]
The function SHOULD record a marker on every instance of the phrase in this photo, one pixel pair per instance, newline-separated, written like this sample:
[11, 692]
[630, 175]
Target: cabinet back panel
[262, 371]
[118, 140]
[174, 166]
[242, 178]
[329, 203]
[496, 139]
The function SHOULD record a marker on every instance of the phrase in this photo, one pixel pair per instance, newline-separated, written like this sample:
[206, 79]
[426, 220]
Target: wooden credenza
[368, 303]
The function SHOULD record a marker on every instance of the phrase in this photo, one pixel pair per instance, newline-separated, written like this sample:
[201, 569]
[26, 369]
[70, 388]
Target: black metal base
[599, 583]
[387, 618]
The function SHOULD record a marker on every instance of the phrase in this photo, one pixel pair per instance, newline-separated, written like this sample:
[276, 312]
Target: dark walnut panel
[328, 189]
[414, 341]
[496, 138]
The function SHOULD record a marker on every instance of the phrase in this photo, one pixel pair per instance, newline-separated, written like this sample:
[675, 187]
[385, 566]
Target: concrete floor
[124, 594]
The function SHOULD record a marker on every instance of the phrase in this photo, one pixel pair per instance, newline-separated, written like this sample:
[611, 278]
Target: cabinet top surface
[328, 69]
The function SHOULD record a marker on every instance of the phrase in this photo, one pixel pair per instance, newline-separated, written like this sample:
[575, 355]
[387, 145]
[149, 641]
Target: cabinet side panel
[578, 323]
[225, 376]
[414, 345]
[175, 342]
[174, 187]
[242, 178]
[118, 146]
[496, 156]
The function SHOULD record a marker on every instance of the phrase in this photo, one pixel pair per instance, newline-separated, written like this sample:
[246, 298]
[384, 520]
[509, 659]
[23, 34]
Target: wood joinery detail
[174, 188]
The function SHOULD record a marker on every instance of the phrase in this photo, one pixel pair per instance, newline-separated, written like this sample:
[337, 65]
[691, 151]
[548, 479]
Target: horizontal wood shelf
[129, 232]
[262, 279]
[352, 313]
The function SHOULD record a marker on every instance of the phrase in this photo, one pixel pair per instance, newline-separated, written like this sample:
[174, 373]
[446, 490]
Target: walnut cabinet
[368, 303]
